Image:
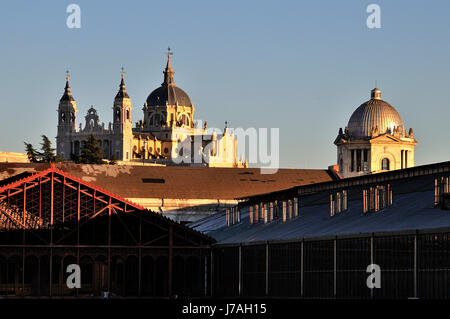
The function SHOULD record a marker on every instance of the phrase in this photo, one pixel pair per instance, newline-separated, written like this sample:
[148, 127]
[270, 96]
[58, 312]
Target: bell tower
[122, 124]
[67, 114]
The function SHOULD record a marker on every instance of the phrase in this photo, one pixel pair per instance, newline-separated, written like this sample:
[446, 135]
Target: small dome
[372, 114]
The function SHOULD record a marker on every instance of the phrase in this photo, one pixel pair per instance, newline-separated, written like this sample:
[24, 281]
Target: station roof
[412, 210]
[179, 182]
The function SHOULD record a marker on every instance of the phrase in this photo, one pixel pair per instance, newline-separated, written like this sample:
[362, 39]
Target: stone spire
[67, 96]
[122, 90]
[168, 72]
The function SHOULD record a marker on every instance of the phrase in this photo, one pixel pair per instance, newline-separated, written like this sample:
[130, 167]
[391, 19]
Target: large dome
[373, 114]
[168, 92]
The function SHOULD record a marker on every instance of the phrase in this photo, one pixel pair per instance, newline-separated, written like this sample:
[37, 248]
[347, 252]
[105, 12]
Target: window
[128, 114]
[402, 160]
[117, 114]
[385, 164]
[338, 202]
[377, 198]
[271, 211]
[352, 160]
[441, 186]
[358, 161]
[406, 159]
[365, 160]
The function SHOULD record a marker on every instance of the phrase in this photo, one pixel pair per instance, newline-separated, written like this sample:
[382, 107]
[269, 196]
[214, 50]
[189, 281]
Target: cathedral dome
[374, 114]
[168, 92]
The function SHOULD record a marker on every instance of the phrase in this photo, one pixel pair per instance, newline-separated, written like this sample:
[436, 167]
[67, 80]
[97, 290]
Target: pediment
[385, 138]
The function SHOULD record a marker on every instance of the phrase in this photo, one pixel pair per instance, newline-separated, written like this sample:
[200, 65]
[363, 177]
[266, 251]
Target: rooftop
[412, 210]
[179, 182]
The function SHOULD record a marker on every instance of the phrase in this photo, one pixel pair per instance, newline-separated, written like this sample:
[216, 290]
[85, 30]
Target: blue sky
[302, 66]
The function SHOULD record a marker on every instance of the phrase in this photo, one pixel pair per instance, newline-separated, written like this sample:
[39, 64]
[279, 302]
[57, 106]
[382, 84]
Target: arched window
[385, 164]
[157, 119]
[184, 120]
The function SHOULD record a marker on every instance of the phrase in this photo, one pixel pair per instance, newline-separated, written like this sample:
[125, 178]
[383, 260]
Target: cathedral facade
[375, 140]
[167, 135]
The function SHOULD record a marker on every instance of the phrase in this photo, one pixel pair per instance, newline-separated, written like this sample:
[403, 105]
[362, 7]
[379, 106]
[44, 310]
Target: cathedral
[375, 140]
[168, 134]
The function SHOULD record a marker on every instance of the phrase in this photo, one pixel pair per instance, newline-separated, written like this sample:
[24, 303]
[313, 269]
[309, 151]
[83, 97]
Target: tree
[48, 153]
[31, 152]
[91, 152]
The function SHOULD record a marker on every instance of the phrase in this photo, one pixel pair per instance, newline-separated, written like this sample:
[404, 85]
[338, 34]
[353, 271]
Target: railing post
[240, 271]
[334, 268]
[212, 273]
[301, 268]
[267, 269]
[170, 260]
[371, 259]
[415, 265]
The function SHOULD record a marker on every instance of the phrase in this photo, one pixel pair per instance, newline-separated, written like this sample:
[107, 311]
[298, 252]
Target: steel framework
[50, 218]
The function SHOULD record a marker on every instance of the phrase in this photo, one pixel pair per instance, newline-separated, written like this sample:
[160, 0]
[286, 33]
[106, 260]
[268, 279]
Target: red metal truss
[52, 213]
[53, 197]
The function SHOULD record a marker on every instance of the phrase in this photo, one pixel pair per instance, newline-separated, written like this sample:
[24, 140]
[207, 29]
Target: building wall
[12, 157]
[185, 210]
[376, 152]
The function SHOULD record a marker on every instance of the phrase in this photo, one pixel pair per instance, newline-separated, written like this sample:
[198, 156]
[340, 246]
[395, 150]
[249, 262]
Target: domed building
[375, 140]
[167, 135]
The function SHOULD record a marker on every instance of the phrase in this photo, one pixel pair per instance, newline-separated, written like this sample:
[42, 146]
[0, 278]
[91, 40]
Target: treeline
[90, 153]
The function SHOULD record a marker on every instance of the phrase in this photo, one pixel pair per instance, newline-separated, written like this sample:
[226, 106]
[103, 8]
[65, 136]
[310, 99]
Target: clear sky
[301, 66]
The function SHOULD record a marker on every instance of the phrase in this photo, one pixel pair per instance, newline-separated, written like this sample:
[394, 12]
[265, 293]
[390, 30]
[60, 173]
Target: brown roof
[179, 182]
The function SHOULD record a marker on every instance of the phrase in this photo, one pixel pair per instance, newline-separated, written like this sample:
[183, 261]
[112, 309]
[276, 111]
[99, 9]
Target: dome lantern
[375, 94]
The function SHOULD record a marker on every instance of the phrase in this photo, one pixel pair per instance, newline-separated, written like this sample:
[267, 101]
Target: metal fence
[413, 265]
